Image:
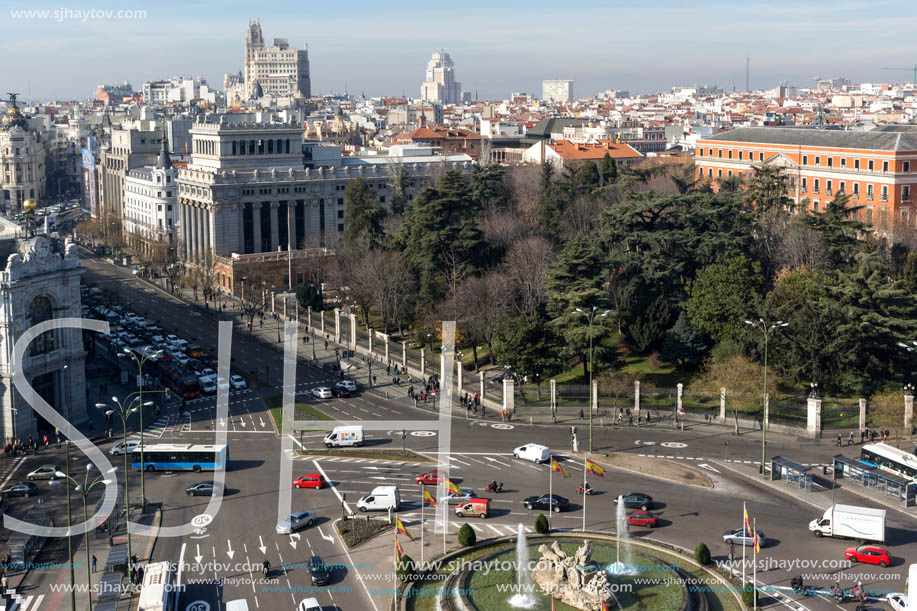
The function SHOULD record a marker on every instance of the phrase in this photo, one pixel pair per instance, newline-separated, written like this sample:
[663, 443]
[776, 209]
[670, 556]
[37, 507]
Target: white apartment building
[278, 70]
[151, 202]
[439, 83]
[557, 91]
[178, 89]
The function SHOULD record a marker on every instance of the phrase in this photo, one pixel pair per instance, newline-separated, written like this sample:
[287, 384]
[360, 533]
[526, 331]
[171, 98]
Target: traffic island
[654, 467]
[356, 530]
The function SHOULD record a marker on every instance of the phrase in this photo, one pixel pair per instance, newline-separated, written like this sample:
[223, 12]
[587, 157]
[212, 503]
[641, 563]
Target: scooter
[497, 488]
[589, 490]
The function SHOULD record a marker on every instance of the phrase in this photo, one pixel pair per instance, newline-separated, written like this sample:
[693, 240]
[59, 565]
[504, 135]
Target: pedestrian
[140, 576]
[388, 370]
[3, 583]
[133, 575]
[424, 396]
[35, 450]
[92, 562]
[647, 417]
[839, 439]
[630, 418]
[862, 436]
[850, 439]
[45, 439]
[374, 380]
[581, 415]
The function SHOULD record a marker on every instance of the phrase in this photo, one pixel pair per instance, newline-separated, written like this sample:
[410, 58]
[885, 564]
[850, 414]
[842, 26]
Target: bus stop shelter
[117, 560]
[870, 477]
[110, 587]
[792, 472]
[108, 605]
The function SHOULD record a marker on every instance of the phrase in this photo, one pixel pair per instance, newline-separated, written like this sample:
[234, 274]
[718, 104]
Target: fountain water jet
[524, 598]
[623, 564]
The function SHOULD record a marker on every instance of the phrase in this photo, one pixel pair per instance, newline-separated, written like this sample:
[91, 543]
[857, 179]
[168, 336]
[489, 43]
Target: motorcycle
[838, 594]
[495, 488]
[266, 568]
[589, 490]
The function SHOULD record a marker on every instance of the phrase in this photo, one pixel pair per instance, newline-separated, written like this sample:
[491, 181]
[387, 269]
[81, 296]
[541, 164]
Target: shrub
[466, 535]
[749, 593]
[405, 568]
[702, 554]
[541, 525]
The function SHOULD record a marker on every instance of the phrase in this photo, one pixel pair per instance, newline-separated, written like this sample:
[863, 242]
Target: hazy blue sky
[498, 46]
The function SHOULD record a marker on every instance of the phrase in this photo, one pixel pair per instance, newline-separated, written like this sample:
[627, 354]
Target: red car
[313, 480]
[870, 554]
[642, 518]
[430, 478]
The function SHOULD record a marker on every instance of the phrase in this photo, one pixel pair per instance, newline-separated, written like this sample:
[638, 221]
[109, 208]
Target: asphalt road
[221, 560]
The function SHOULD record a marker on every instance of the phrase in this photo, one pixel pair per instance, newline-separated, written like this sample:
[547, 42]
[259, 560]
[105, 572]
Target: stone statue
[572, 579]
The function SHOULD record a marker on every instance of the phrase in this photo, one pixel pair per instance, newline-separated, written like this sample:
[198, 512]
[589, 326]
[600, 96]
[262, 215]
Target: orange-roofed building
[563, 152]
[451, 140]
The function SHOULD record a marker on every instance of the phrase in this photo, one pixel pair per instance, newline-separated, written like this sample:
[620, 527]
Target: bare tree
[799, 246]
[398, 182]
[581, 217]
[502, 228]
[886, 411]
[525, 266]
[483, 302]
[206, 275]
[456, 270]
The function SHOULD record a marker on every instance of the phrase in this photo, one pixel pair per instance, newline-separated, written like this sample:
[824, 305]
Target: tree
[487, 189]
[309, 295]
[541, 525]
[839, 229]
[684, 344]
[702, 554]
[527, 345]
[742, 378]
[608, 171]
[467, 536]
[722, 296]
[730, 184]
[619, 385]
[685, 179]
[909, 272]
[398, 183]
[525, 266]
[766, 190]
[362, 213]
[482, 302]
[886, 411]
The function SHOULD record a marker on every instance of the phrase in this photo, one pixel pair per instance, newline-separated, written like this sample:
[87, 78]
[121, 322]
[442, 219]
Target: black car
[319, 572]
[637, 500]
[25, 489]
[341, 392]
[556, 504]
[204, 489]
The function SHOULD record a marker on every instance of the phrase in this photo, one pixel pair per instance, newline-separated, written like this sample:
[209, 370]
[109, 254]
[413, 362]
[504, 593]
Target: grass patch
[406, 456]
[431, 582]
[358, 530]
[302, 411]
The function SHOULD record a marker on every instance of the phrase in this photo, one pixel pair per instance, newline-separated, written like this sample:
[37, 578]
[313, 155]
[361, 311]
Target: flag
[404, 531]
[604, 606]
[595, 468]
[556, 466]
[749, 529]
[747, 522]
[398, 551]
[453, 488]
[428, 498]
[553, 606]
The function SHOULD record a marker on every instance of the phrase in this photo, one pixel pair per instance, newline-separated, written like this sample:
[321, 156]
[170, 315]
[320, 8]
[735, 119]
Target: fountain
[623, 564]
[524, 598]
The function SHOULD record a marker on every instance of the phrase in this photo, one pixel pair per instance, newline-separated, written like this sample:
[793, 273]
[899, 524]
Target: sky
[381, 48]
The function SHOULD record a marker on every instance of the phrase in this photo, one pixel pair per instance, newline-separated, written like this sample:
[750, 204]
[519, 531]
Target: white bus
[157, 593]
[181, 457]
[889, 458]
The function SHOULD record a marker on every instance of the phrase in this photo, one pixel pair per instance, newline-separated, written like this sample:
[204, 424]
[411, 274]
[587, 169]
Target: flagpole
[754, 565]
[289, 251]
[446, 523]
[550, 488]
[422, 503]
[744, 527]
[584, 492]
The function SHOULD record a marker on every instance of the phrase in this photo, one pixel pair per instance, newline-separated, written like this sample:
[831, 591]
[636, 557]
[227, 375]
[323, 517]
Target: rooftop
[807, 136]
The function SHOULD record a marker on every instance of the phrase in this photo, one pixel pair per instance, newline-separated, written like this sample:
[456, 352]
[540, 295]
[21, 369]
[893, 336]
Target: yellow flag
[453, 488]
[556, 466]
[594, 467]
[428, 498]
[404, 531]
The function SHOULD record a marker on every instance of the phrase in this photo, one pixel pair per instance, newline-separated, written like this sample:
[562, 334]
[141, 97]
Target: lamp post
[765, 328]
[70, 535]
[84, 490]
[141, 361]
[590, 316]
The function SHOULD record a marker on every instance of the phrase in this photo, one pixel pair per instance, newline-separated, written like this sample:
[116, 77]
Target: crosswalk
[482, 527]
[23, 603]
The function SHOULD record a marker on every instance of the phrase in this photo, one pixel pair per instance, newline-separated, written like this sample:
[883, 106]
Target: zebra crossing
[484, 528]
[23, 603]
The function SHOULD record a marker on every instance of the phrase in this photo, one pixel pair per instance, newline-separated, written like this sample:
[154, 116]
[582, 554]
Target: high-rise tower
[439, 83]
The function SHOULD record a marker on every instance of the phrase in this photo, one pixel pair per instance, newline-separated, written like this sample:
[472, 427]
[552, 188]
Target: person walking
[92, 562]
[839, 441]
[850, 439]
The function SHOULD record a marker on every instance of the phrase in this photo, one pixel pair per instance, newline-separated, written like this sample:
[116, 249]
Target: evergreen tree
[684, 344]
[608, 171]
[839, 228]
[528, 346]
[766, 190]
[362, 213]
[723, 295]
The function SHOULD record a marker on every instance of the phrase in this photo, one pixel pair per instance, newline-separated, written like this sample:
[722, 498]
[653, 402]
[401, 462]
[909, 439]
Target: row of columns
[199, 236]
[197, 231]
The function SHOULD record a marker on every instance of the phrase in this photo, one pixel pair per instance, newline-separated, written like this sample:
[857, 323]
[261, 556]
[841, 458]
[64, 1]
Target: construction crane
[914, 70]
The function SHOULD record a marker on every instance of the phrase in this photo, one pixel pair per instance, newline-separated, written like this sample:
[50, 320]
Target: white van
[182, 345]
[240, 604]
[344, 436]
[534, 452]
[382, 498]
[208, 384]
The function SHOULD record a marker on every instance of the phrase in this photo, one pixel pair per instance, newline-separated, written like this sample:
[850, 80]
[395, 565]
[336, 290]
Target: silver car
[452, 498]
[742, 537]
[44, 472]
[294, 522]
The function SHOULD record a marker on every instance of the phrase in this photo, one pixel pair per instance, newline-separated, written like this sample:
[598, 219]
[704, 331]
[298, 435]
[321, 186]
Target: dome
[13, 118]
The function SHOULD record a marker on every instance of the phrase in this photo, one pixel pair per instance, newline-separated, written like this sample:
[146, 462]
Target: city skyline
[648, 49]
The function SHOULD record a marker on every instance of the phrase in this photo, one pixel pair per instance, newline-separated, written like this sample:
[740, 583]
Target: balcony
[869, 197]
[829, 192]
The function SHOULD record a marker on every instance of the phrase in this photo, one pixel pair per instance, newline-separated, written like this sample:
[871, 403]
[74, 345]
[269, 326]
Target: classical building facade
[38, 284]
[877, 169]
[278, 70]
[128, 149]
[151, 203]
[439, 83]
[247, 189]
[22, 160]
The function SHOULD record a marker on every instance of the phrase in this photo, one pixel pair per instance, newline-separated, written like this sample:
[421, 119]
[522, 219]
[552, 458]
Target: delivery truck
[849, 522]
[344, 436]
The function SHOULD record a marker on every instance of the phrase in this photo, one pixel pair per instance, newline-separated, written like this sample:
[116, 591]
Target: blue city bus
[181, 457]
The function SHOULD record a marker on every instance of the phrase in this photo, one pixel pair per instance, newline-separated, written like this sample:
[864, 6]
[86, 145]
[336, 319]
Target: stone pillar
[460, 371]
[722, 405]
[637, 399]
[678, 398]
[256, 227]
[908, 411]
[862, 414]
[285, 307]
[595, 396]
[508, 396]
[195, 234]
[423, 363]
[767, 410]
[273, 302]
[183, 228]
[309, 319]
[337, 325]
[387, 358]
[275, 227]
[239, 211]
[404, 355]
[481, 385]
[353, 332]
[813, 418]
[321, 318]
[369, 334]
[291, 230]
[553, 384]
[208, 227]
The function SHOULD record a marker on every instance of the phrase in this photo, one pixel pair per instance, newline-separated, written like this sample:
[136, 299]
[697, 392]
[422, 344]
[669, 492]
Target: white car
[238, 382]
[222, 384]
[119, 449]
[309, 604]
[321, 392]
[207, 371]
[294, 522]
[348, 384]
[897, 601]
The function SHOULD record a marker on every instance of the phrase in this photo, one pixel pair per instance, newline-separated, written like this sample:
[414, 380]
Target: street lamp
[765, 328]
[590, 316]
[84, 490]
[140, 361]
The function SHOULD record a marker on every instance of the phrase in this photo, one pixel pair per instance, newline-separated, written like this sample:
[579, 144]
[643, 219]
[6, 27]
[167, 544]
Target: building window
[341, 201]
[805, 160]
[906, 193]
[856, 189]
[818, 161]
[815, 188]
[830, 162]
[884, 193]
[40, 311]
[340, 226]
[730, 153]
[885, 166]
[842, 187]
[843, 162]
[340, 214]
[906, 166]
[381, 199]
[815, 206]
[805, 184]
[700, 152]
[869, 192]
[709, 152]
[719, 153]
[709, 172]
[828, 188]
[740, 155]
[871, 165]
[760, 156]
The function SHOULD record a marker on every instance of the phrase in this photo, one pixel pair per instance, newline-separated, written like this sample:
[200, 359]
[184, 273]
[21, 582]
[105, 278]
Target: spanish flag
[595, 468]
[604, 606]
[453, 488]
[428, 498]
[747, 521]
[404, 531]
[398, 551]
[748, 528]
[556, 466]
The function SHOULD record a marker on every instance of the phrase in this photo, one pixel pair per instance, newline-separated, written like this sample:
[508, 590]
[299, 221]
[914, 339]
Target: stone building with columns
[22, 160]
[247, 190]
[151, 203]
[40, 281]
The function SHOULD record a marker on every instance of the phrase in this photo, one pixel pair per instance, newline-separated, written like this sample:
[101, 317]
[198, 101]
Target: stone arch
[40, 310]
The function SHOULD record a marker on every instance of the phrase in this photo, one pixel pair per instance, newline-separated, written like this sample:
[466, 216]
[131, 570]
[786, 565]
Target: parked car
[318, 571]
[642, 518]
[637, 500]
[127, 446]
[237, 382]
[222, 384]
[322, 392]
[25, 489]
[430, 478]
[545, 501]
[313, 480]
[869, 554]
[309, 604]
[742, 536]
[348, 384]
[204, 489]
[294, 522]
[897, 601]
[44, 472]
